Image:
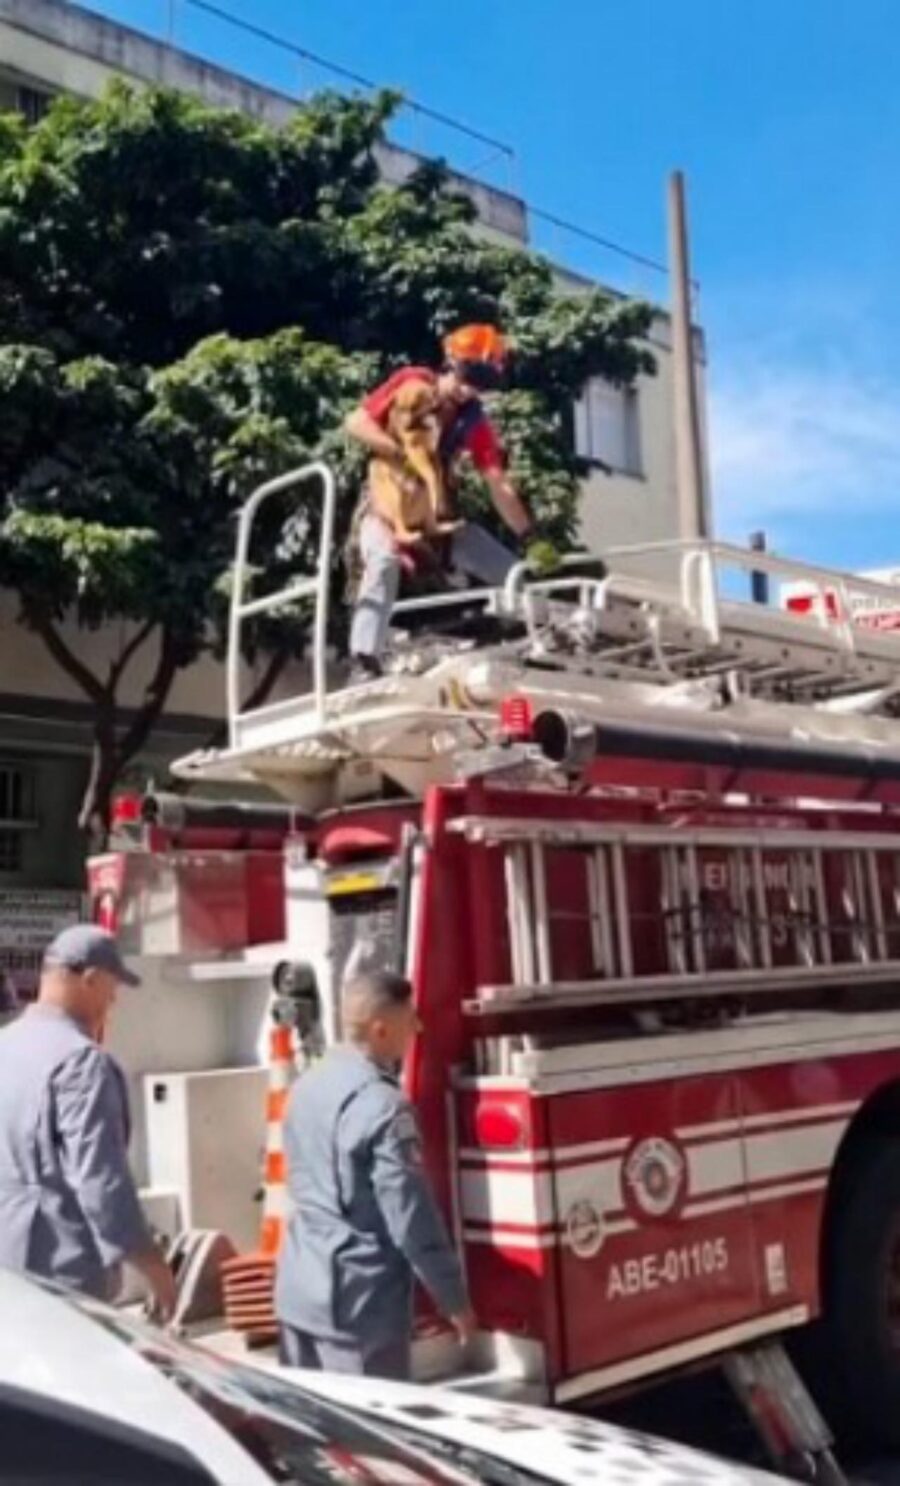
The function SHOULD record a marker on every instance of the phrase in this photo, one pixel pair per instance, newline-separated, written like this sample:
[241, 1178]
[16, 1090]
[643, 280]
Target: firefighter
[364, 1219]
[474, 359]
[69, 1210]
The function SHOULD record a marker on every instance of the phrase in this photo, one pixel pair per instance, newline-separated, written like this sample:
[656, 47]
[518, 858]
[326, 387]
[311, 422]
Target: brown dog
[413, 499]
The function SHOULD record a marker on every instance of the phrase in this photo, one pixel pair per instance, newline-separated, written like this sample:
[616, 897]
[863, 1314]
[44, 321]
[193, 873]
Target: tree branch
[155, 698]
[67, 659]
[259, 694]
[118, 666]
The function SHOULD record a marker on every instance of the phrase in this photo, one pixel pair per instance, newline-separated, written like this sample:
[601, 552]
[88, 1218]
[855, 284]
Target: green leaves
[59, 563]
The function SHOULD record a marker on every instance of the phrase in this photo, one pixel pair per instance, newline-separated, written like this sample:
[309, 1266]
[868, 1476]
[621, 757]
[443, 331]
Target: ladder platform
[654, 637]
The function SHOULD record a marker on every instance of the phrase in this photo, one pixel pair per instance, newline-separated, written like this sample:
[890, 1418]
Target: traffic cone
[248, 1281]
[282, 1071]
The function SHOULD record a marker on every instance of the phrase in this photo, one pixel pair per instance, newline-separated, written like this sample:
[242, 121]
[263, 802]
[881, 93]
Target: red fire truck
[635, 840]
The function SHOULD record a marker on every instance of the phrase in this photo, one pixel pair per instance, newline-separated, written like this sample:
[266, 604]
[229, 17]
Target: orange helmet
[478, 353]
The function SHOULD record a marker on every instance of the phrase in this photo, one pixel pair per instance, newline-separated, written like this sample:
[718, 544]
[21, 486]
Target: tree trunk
[96, 804]
[113, 747]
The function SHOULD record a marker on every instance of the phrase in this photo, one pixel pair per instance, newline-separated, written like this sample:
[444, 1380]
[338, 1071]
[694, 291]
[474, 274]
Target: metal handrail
[515, 578]
[697, 586]
[316, 587]
[752, 560]
[456, 597]
[699, 589]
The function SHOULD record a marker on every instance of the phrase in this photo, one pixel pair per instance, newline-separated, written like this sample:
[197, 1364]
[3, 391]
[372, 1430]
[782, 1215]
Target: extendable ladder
[696, 623]
[741, 912]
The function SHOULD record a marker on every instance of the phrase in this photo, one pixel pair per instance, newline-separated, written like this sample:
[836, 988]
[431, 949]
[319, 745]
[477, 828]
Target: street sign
[29, 919]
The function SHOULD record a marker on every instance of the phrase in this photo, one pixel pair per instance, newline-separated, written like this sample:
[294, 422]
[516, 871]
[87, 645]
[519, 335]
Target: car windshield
[293, 1435]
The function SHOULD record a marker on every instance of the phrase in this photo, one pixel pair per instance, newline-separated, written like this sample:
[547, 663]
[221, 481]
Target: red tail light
[516, 719]
[499, 1127]
[825, 602]
[126, 810]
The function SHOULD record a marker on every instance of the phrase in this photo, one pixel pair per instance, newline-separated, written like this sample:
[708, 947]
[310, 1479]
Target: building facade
[52, 46]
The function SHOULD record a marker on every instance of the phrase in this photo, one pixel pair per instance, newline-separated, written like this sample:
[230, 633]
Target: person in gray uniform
[69, 1209]
[364, 1219]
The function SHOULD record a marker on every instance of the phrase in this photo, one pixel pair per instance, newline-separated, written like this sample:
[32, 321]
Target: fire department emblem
[655, 1178]
[584, 1229]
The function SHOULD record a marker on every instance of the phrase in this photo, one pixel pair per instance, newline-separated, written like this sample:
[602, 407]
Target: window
[33, 104]
[16, 814]
[607, 427]
[47, 1440]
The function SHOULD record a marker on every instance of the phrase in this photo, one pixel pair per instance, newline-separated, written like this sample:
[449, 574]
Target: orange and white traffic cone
[282, 1071]
[249, 1280]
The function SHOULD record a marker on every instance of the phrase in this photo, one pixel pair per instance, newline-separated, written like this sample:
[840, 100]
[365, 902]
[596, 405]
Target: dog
[413, 499]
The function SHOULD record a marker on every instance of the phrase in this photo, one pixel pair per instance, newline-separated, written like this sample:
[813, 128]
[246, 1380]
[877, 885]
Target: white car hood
[52, 1349]
[565, 1448]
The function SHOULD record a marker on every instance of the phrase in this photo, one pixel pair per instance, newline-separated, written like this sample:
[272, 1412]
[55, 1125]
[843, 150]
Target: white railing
[696, 586]
[555, 582]
[316, 587]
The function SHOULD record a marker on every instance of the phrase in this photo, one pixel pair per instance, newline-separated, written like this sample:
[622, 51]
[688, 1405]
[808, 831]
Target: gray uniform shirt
[364, 1218]
[68, 1206]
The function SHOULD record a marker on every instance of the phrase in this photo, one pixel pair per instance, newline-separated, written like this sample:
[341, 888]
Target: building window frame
[607, 428]
[18, 815]
[32, 103]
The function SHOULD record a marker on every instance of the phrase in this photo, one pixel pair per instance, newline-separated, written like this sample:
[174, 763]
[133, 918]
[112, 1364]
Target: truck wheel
[861, 1332]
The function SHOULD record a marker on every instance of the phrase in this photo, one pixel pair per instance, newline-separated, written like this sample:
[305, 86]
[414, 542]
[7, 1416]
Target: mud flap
[783, 1413]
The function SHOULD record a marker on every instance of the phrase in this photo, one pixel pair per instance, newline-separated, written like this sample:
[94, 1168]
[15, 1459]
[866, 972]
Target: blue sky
[785, 114]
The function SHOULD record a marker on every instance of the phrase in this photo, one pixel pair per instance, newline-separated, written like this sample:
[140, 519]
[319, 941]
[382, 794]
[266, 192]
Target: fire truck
[635, 840]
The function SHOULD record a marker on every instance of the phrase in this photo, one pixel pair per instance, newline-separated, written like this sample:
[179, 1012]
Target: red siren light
[516, 719]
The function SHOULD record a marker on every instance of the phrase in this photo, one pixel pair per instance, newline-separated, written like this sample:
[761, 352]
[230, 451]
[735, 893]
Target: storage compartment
[205, 1140]
[188, 903]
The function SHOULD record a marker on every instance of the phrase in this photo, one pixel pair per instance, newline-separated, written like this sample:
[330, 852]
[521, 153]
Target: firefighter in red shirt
[474, 361]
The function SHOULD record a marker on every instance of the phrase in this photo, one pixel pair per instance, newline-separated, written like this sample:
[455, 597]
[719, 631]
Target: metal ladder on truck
[681, 647]
[740, 915]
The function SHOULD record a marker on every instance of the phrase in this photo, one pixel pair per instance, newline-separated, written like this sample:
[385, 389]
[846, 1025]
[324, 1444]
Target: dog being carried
[416, 425]
[411, 493]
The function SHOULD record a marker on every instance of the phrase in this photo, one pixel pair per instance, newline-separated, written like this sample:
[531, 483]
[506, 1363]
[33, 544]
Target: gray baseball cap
[86, 947]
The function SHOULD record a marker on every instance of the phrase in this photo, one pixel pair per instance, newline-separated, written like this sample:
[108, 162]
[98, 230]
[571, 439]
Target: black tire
[860, 1335]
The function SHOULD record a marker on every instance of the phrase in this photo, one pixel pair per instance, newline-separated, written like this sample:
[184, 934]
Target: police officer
[364, 1219]
[69, 1210]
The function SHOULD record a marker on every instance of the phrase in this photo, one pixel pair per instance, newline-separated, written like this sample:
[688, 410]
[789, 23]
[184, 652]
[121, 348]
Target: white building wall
[640, 504]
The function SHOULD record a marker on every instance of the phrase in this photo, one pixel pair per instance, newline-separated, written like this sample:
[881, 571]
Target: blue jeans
[474, 551]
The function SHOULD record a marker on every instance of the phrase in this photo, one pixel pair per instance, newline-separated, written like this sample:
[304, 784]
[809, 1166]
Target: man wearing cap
[69, 1209]
[474, 360]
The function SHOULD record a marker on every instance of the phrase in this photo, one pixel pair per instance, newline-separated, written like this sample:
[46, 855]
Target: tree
[190, 302]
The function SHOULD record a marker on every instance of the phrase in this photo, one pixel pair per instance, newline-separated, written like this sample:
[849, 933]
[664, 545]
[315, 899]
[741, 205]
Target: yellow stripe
[354, 882]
